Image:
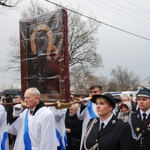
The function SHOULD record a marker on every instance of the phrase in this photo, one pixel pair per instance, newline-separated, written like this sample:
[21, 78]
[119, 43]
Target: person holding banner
[3, 123]
[87, 110]
[35, 126]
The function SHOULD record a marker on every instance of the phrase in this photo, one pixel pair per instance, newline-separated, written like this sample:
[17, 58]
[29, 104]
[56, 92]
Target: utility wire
[128, 16]
[137, 13]
[137, 6]
[116, 21]
[99, 21]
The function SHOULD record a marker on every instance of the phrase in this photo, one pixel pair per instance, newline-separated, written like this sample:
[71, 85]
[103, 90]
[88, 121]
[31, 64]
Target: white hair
[75, 106]
[35, 91]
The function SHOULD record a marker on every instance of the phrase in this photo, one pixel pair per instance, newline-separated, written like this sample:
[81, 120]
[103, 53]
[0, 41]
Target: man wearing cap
[87, 110]
[106, 132]
[140, 121]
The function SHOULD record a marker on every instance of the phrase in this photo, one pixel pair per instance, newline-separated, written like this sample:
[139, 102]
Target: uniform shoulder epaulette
[93, 119]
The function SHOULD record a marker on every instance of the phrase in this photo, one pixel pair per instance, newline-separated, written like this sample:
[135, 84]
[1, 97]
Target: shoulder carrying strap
[137, 138]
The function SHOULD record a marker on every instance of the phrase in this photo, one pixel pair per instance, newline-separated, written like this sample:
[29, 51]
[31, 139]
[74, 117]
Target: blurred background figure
[130, 99]
[17, 98]
[71, 97]
[125, 110]
[73, 128]
[9, 110]
[116, 110]
[125, 98]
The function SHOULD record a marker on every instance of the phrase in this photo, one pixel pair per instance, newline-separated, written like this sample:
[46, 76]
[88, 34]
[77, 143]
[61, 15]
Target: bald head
[32, 97]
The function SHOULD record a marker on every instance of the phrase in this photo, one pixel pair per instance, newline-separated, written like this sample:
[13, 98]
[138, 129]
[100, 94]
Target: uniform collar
[147, 112]
[107, 120]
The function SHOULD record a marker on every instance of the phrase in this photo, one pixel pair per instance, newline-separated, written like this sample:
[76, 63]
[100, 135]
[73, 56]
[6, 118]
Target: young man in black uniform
[140, 121]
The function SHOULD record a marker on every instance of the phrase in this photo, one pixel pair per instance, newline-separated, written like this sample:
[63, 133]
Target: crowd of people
[100, 122]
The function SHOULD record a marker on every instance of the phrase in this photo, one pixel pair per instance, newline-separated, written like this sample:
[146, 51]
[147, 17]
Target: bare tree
[111, 86]
[82, 79]
[34, 8]
[14, 60]
[9, 3]
[82, 43]
[125, 80]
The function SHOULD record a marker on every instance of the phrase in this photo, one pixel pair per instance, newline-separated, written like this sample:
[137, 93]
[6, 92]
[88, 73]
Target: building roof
[145, 82]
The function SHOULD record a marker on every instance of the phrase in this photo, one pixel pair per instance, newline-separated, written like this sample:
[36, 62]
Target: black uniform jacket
[115, 136]
[143, 128]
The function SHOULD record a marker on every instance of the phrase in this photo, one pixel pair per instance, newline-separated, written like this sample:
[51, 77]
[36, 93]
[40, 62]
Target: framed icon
[44, 55]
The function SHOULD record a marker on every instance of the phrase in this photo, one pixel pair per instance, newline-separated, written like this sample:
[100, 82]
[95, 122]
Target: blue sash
[5, 135]
[27, 140]
[90, 110]
[65, 139]
[59, 137]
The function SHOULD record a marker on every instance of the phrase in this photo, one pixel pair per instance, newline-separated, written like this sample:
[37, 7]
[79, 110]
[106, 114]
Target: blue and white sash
[5, 136]
[59, 137]
[90, 110]
[65, 139]
[27, 140]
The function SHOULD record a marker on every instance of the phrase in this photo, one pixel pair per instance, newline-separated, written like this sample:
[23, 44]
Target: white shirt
[106, 121]
[147, 113]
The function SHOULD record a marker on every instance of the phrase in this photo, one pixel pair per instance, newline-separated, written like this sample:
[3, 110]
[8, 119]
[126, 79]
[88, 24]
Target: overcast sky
[115, 46]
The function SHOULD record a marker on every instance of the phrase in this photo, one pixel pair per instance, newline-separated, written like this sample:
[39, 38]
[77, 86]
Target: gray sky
[115, 46]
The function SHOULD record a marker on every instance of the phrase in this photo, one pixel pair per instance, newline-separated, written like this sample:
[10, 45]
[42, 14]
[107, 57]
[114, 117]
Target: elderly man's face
[30, 99]
[72, 111]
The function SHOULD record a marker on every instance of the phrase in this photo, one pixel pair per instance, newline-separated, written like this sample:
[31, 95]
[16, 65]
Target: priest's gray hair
[35, 91]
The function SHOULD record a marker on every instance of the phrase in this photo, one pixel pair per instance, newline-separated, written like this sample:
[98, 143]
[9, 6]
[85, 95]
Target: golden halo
[49, 35]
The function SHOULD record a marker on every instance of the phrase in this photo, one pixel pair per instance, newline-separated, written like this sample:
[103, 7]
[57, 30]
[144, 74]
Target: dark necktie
[102, 126]
[144, 116]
